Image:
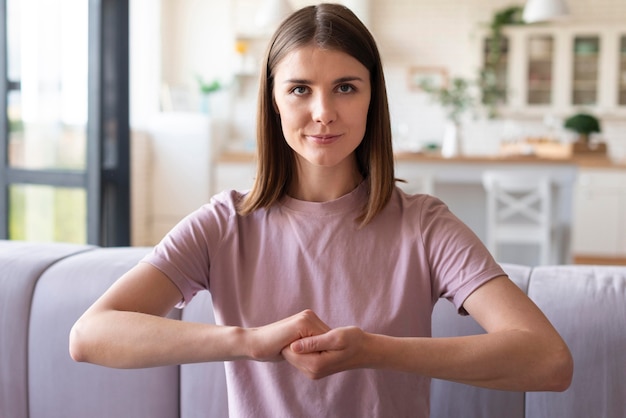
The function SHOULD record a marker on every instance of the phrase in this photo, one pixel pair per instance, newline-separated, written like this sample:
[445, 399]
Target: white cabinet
[234, 175]
[600, 213]
[183, 147]
[560, 69]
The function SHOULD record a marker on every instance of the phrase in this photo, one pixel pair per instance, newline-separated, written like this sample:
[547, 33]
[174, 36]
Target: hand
[332, 352]
[267, 342]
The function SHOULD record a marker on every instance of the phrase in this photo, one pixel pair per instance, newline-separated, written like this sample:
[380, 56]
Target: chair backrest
[517, 197]
[519, 209]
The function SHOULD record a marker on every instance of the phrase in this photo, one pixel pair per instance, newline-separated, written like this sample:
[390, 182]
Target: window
[64, 138]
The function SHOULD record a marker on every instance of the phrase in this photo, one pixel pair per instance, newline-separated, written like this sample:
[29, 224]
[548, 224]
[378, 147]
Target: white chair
[520, 211]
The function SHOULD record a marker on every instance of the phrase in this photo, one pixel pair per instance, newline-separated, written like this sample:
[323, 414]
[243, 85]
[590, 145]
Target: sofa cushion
[59, 387]
[21, 265]
[587, 305]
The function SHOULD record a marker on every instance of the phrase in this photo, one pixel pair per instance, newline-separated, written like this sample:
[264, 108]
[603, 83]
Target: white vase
[451, 144]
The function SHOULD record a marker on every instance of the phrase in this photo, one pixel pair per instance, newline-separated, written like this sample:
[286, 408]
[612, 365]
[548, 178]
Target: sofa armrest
[60, 387]
[21, 266]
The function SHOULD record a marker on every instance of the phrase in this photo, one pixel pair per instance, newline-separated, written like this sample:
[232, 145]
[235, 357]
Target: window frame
[106, 178]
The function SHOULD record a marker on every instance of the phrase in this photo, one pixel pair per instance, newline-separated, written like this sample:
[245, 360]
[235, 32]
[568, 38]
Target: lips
[323, 138]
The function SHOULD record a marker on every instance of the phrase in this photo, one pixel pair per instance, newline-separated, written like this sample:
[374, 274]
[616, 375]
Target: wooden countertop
[234, 157]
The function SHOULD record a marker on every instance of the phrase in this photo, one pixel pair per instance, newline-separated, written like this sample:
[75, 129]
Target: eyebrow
[337, 81]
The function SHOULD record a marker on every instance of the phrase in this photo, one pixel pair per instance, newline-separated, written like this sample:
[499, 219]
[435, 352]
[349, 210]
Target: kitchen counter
[581, 161]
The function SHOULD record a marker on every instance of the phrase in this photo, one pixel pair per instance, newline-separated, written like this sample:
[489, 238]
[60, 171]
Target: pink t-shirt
[384, 278]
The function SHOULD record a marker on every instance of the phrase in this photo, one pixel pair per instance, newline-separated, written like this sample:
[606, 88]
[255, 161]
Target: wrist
[378, 350]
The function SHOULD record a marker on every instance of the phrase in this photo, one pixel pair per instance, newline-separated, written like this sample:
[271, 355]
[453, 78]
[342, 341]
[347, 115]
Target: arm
[125, 328]
[521, 350]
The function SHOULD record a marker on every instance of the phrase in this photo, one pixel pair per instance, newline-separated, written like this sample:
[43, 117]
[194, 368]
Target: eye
[299, 90]
[345, 88]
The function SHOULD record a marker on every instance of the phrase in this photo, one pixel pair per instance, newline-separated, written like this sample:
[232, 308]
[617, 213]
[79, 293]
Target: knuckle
[307, 314]
[311, 344]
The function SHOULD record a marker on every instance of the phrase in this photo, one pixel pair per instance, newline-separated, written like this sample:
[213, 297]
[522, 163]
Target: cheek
[360, 115]
[290, 116]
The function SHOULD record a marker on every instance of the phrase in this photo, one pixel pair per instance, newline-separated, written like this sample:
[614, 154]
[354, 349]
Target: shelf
[586, 57]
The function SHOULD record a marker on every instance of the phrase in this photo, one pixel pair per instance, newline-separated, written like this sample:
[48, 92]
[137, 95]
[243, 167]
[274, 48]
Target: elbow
[560, 371]
[77, 344]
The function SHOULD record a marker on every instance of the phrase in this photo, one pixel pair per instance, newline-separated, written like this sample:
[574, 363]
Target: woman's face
[322, 97]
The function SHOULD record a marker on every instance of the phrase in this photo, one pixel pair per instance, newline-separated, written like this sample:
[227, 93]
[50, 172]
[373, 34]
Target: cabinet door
[596, 217]
[496, 57]
[600, 214]
[563, 69]
[540, 64]
[621, 226]
[586, 59]
[622, 72]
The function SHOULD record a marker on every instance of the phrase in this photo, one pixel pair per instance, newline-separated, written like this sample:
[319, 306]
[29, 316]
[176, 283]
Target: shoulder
[223, 205]
[417, 206]
[210, 221]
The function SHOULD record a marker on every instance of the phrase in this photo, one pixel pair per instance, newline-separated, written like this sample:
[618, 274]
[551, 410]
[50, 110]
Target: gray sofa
[45, 287]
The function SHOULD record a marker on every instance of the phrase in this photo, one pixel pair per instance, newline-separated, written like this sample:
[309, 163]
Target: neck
[323, 184]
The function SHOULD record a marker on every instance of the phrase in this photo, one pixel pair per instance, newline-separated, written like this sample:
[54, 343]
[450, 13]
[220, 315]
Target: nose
[323, 109]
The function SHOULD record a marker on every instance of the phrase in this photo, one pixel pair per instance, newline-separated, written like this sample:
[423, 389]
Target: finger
[315, 344]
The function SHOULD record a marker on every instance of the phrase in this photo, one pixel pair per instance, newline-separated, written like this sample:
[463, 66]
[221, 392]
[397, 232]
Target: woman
[324, 275]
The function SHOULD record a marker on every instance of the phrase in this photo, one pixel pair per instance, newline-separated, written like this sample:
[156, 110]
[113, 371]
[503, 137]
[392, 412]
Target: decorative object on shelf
[206, 88]
[451, 143]
[584, 125]
[456, 99]
[544, 10]
[492, 93]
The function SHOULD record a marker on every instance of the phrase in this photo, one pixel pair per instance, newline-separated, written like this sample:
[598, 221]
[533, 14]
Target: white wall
[198, 38]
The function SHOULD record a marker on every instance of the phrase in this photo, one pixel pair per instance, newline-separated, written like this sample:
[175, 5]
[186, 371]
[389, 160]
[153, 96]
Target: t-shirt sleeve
[459, 261]
[184, 254]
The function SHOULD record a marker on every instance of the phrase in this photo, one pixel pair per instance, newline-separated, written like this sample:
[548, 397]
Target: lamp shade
[543, 10]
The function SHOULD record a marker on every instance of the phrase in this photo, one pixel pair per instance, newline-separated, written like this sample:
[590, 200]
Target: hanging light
[272, 12]
[543, 10]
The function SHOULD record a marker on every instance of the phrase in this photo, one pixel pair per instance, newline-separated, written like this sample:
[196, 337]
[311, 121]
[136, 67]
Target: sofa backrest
[450, 399]
[587, 305]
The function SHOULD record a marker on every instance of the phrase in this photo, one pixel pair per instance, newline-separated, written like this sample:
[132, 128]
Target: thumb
[308, 345]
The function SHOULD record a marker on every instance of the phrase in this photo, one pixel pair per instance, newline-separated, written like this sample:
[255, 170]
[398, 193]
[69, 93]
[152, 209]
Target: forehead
[309, 60]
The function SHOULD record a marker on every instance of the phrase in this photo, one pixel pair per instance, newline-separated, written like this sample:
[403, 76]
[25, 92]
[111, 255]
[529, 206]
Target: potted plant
[206, 88]
[584, 125]
[456, 99]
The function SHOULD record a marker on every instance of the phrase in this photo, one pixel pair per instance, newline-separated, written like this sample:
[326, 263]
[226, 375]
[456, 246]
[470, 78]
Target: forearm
[133, 340]
[128, 339]
[508, 360]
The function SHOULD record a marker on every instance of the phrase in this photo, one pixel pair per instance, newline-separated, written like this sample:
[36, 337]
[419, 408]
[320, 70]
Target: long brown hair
[335, 27]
